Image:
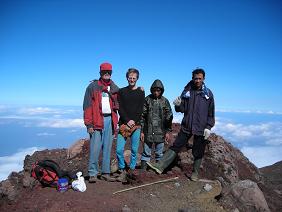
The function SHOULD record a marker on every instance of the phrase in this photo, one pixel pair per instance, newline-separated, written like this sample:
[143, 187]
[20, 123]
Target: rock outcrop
[227, 164]
[246, 195]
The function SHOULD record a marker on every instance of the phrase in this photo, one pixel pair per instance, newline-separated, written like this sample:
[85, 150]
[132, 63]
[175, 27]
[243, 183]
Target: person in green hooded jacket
[156, 123]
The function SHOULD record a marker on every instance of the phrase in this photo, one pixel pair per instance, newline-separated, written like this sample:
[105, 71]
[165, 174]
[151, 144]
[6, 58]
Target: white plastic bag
[79, 184]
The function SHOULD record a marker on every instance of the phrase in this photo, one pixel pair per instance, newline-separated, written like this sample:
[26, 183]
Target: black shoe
[131, 175]
[143, 165]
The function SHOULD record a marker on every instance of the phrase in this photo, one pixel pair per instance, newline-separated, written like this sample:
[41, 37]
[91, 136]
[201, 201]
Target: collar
[104, 83]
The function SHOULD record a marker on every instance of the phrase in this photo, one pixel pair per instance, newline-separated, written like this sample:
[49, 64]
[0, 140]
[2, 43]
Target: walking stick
[160, 181]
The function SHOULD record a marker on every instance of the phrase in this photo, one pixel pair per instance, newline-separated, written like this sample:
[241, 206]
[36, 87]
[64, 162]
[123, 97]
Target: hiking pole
[160, 181]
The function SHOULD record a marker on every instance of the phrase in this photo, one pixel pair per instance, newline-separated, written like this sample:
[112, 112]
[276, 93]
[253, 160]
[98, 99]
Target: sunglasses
[106, 72]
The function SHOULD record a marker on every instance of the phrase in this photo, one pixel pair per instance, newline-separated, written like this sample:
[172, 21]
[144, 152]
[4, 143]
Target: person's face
[132, 79]
[198, 80]
[157, 92]
[106, 75]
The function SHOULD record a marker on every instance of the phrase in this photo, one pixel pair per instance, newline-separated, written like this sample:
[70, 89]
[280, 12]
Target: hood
[157, 84]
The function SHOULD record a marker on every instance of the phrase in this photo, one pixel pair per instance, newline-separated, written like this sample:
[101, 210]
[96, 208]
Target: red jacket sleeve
[87, 107]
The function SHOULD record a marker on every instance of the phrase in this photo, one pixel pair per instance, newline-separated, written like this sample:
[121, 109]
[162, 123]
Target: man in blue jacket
[197, 104]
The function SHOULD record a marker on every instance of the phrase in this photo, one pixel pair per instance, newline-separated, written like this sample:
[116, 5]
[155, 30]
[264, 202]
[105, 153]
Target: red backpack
[47, 172]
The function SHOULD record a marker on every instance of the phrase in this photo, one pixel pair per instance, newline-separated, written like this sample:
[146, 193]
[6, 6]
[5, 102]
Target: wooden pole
[160, 181]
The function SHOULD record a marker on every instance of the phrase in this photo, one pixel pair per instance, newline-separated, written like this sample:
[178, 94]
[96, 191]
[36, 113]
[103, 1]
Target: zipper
[194, 102]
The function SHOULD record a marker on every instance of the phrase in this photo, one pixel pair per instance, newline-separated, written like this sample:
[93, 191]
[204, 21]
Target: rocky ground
[177, 195]
[232, 184]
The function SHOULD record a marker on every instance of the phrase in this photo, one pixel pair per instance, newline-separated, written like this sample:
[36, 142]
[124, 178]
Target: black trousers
[199, 144]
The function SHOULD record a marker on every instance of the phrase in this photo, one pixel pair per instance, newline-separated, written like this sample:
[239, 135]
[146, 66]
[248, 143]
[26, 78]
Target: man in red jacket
[100, 117]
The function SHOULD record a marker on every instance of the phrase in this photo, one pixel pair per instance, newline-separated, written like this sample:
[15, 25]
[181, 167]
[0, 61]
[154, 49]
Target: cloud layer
[258, 135]
[51, 117]
[268, 132]
[62, 123]
[14, 162]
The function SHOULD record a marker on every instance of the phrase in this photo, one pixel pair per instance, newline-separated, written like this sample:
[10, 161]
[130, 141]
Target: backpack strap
[50, 164]
[53, 165]
[53, 181]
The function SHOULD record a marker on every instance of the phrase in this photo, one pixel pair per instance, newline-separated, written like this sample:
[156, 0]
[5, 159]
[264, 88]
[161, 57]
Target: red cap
[105, 67]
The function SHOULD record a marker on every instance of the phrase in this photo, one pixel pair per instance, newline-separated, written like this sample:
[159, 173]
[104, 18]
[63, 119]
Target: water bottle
[62, 185]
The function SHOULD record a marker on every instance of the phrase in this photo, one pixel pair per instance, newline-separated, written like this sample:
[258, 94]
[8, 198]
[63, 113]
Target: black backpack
[48, 172]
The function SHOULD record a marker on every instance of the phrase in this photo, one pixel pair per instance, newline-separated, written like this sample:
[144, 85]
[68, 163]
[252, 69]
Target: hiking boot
[196, 168]
[107, 177]
[156, 167]
[162, 164]
[92, 179]
[131, 175]
[143, 165]
[122, 177]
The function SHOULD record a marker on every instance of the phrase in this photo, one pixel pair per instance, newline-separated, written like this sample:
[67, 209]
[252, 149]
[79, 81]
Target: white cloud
[249, 111]
[73, 130]
[44, 122]
[275, 140]
[263, 156]
[270, 132]
[37, 110]
[62, 123]
[21, 117]
[261, 142]
[53, 117]
[44, 110]
[14, 162]
[45, 134]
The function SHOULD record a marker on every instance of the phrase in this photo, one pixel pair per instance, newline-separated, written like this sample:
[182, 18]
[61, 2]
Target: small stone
[208, 187]
[125, 208]
[177, 185]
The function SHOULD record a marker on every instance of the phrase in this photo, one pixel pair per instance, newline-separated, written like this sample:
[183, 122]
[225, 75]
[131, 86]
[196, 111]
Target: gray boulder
[246, 196]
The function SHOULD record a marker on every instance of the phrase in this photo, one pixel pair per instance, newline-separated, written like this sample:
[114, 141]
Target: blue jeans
[135, 138]
[146, 155]
[101, 139]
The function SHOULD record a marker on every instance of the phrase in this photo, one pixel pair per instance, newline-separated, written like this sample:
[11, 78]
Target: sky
[50, 50]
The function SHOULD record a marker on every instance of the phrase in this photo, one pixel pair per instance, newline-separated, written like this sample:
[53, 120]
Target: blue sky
[49, 50]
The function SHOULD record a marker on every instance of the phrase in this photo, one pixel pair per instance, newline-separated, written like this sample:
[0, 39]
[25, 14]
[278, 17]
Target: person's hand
[131, 123]
[142, 137]
[177, 101]
[90, 130]
[207, 133]
[167, 137]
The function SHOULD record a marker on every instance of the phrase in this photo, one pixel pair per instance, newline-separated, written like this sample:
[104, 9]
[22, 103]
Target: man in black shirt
[131, 100]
